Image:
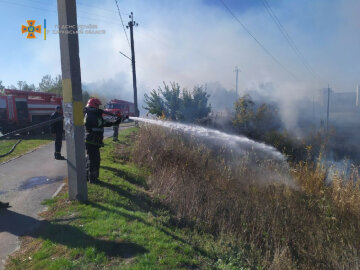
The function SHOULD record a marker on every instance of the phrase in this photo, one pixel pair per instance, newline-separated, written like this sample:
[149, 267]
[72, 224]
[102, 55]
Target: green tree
[20, 85]
[177, 104]
[200, 102]
[29, 87]
[244, 114]
[2, 87]
[267, 118]
[255, 120]
[195, 104]
[187, 106]
[154, 103]
[57, 86]
[24, 86]
[172, 100]
[46, 83]
[51, 85]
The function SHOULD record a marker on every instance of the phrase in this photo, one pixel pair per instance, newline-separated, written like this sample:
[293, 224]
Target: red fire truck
[19, 109]
[120, 108]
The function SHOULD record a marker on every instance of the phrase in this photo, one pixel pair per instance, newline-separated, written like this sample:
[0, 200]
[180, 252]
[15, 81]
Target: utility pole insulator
[131, 25]
[72, 98]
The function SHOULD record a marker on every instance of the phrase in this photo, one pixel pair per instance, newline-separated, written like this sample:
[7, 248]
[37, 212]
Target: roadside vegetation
[123, 226]
[305, 223]
[27, 144]
[168, 201]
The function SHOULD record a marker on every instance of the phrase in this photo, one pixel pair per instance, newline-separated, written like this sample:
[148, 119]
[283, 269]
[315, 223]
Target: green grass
[28, 144]
[121, 227]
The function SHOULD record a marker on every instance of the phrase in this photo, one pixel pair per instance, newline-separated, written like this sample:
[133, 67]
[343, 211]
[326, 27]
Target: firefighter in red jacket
[94, 124]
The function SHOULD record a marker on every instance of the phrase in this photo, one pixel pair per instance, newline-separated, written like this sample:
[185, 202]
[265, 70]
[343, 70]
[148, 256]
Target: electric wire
[287, 37]
[95, 7]
[256, 40]
[55, 11]
[95, 17]
[122, 22]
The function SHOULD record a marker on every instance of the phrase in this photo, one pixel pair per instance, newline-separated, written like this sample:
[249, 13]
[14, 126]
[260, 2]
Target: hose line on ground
[35, 126]
[11, 150]
[38, 125]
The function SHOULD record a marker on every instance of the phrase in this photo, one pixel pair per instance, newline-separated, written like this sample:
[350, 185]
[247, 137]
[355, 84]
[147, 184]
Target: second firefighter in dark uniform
[57, 129]
[94, 124]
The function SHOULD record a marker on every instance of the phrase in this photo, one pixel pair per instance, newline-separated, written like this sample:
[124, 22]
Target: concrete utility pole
[237, 81]
[131, 25]
[328, 110]
[72, 97]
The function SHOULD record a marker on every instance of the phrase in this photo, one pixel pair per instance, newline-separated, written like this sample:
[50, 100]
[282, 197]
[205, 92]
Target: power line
[84, 6]
[287, 37]
[96, 7]
[122, 22]
[93, 18]
[256, 40]
[22, 5]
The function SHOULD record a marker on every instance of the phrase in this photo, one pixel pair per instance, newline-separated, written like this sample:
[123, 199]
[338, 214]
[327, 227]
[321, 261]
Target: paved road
[25, 182]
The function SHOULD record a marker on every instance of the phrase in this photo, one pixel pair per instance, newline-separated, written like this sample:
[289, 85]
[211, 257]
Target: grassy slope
[25, 146]
[121, 227]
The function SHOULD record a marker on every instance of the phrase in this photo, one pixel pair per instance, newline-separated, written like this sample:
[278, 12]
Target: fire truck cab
[19, 109]
[120, 108]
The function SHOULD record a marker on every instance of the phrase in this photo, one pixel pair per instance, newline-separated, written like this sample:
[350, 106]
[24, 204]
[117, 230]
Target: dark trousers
[93, 162]
[58, 142]
[116, 132]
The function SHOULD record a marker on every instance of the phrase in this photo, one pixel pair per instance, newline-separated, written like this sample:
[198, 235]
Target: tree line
[47, 84]
[247, 117]
[260, 121]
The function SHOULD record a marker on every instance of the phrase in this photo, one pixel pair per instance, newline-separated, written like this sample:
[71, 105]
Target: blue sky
[192, 42]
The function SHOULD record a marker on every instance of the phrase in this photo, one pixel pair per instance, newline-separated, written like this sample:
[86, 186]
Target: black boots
[58, 156]
[93, 177]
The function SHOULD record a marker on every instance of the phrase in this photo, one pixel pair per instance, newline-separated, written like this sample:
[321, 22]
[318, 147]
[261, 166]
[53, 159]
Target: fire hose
[26, 129]
[32, 127]
[42, 124]
[11, 150]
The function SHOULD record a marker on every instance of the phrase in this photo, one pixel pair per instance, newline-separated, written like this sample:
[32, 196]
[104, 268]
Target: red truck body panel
[120, 108]
[22, 108]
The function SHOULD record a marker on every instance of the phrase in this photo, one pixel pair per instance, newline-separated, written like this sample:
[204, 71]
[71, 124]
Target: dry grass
[285, 218]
